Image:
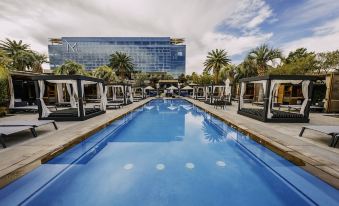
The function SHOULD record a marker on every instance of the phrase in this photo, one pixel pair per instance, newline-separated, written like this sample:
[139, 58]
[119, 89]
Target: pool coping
[314, 167]
[20, 168]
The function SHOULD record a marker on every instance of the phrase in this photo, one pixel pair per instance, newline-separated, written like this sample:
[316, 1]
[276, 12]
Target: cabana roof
[282, 77]
[67, 77]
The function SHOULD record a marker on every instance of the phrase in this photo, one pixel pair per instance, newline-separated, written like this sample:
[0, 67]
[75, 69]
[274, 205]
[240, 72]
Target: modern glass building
[150, 54]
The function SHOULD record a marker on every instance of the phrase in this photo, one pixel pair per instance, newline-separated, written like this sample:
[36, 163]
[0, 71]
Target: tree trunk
[261, 71]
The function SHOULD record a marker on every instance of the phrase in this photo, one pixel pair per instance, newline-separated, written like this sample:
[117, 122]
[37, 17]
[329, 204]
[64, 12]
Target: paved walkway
[310, 151]
[24, 153]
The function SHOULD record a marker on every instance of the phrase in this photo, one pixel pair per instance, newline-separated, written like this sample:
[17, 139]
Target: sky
[234, 25]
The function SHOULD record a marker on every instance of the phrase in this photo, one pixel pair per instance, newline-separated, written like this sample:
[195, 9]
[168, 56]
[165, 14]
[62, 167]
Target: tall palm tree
[216, 60]
[122, 64]
[105, 73]
[11, 47]
[70, 68]
[261, 55]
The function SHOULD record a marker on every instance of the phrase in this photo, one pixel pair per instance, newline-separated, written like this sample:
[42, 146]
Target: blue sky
[234, 25]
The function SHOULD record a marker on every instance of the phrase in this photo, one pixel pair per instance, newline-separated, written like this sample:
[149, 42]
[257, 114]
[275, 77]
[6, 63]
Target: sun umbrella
[172, 88]
[187, 88]
[149, 88]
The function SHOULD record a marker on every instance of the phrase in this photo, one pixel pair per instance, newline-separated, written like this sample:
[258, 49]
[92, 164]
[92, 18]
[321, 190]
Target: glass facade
[150, 54]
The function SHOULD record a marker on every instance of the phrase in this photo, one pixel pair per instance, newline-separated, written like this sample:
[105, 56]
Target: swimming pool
[168, 152]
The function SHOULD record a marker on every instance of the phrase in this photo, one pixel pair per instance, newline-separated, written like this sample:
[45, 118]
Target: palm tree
[11, 47]
[39, 60]
[22, 57]
[105, 73]
[70, 68]
[216, 60]
[261, 55]
[122, 64]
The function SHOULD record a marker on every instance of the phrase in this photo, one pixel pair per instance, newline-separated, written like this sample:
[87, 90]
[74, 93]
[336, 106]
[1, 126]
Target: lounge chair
[7, 130]
[32, 123]
[329, 130]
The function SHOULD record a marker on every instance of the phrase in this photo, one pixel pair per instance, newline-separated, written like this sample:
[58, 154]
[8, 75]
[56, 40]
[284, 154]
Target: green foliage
[70, 68]
[182, 78]
[329, 61]
[140, 78]
[5, 61]
[215, 61]
[261, 55]
[297, 55]
[298, 62]
[122, 64]
[21, 57]
[4, 74]
[105, 73]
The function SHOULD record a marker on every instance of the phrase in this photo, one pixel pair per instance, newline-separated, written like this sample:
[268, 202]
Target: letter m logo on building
[70, 47]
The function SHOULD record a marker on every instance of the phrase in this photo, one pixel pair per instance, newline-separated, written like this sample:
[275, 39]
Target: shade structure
[187, 88]
[267, 113]
[172, 88]
[149, 88]
[75, 85]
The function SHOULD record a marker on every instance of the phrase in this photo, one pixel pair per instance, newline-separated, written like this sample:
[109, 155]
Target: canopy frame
[270, 84]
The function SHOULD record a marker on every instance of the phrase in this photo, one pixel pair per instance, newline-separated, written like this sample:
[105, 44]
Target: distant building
[150, 54]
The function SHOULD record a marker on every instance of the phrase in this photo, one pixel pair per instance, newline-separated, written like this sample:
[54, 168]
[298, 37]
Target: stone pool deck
[24, 153]
[310, 152]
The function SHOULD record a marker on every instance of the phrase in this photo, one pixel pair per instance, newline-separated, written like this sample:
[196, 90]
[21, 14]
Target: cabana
[121, 93]
[148, 91]
[75, 85]
[199, 92]
[271, 83]
[138, 93]
[187, 91]
[22, 91]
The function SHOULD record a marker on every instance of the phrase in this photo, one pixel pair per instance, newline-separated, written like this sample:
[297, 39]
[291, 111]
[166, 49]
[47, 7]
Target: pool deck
[310, 152]
[24, 153]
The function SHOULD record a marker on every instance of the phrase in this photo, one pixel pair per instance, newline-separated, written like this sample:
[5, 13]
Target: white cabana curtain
[44, 110]
[304, 88]
[71, 95]
[60, 93]
[130, 93]
[228, 89]
[11, 91]
[193, 94]
[103, 96]
[75, 93]
[98, 91]
[242, 93]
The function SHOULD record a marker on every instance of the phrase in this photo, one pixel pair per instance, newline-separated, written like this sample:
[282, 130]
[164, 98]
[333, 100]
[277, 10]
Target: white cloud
[249, 14]
[324, 38]
[36, 21]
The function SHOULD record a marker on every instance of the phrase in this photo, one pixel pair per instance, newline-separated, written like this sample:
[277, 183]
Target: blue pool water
[168, 153]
